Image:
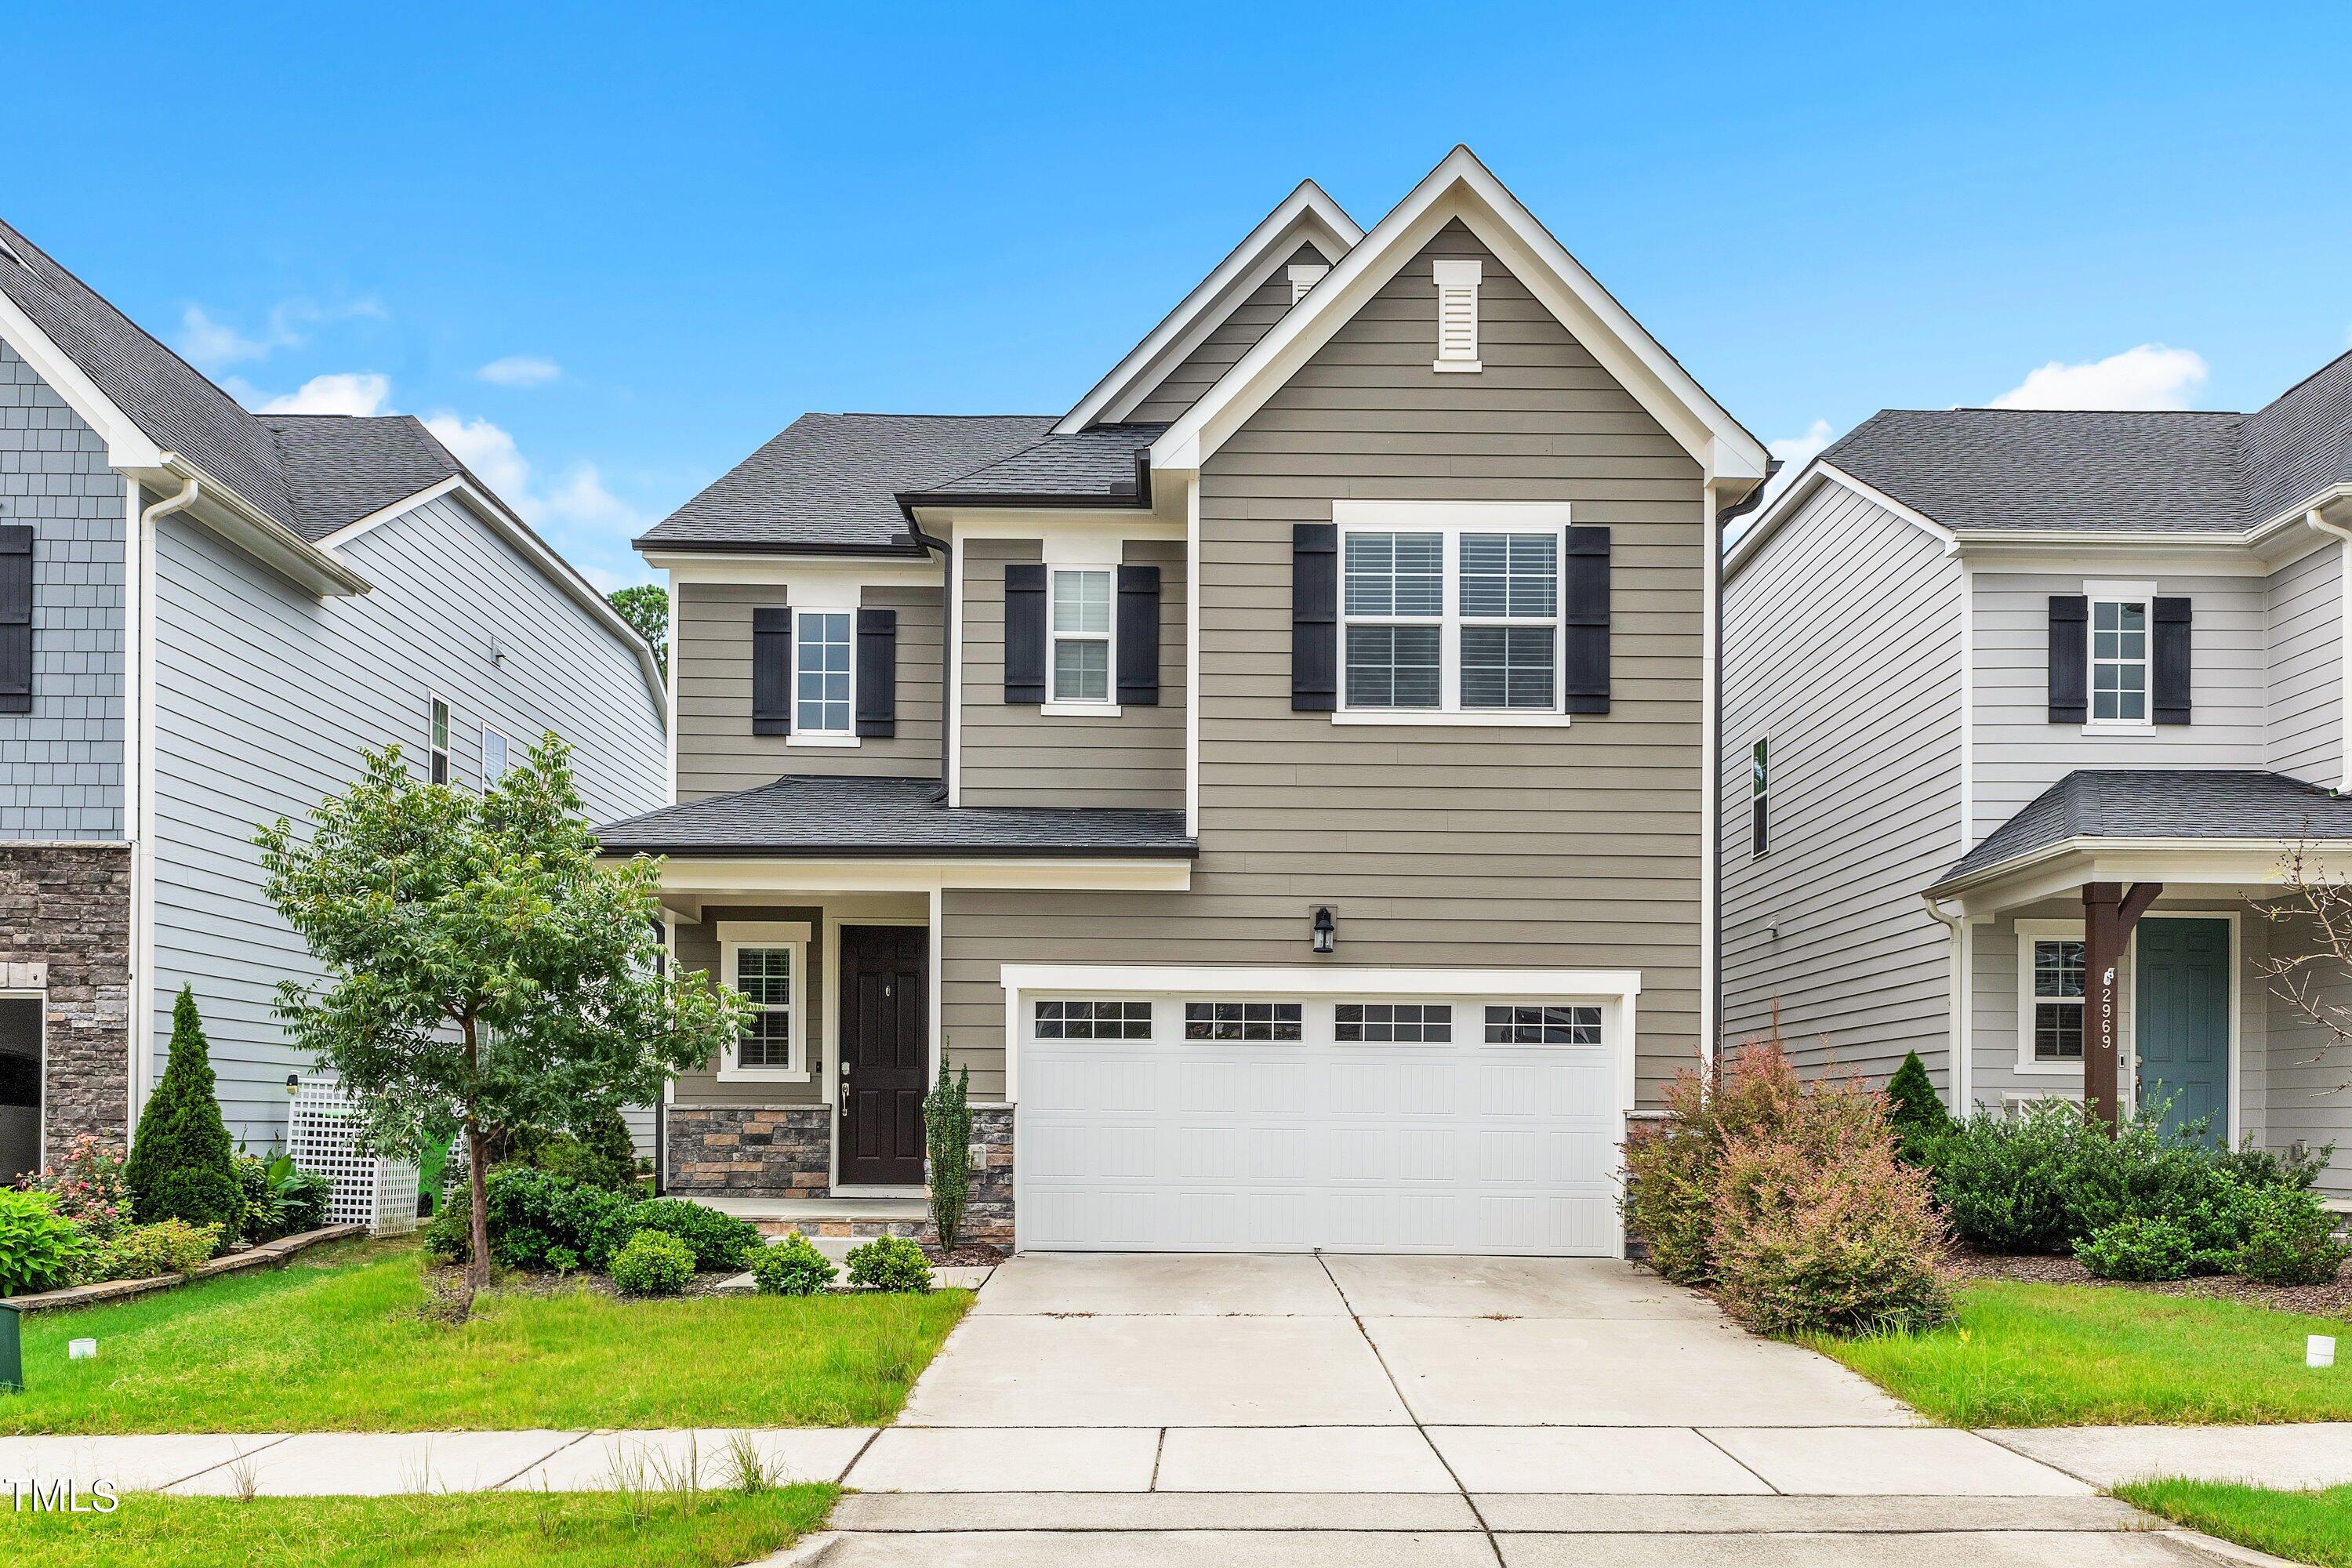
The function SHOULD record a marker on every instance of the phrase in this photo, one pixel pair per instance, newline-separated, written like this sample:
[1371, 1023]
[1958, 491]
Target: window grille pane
[1081, 671]
[1396, 573]
[820, 671]
[1392, 667]
[1243, 1021]
[1531, 1026]
[1507, 667]
[2058, 969]
[1082, 603]
[2057, 1031]
[1405, 1023]
[1510, 575]
[1094, 1020]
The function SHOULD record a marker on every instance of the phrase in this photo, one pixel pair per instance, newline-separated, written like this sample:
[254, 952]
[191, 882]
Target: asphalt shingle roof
[2213, 804]
[856, 817]
[830, 482]
[340, 468]
[2067, 470]
[1103, 462]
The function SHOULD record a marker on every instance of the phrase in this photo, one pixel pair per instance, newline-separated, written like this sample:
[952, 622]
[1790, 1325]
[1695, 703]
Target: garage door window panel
[1244, 1021]
[1392, 1023]
[1539, 1024]
[1094, 1020]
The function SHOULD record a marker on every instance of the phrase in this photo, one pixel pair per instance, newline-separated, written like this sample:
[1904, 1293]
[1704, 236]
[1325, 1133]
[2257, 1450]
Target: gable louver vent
[1457, 316]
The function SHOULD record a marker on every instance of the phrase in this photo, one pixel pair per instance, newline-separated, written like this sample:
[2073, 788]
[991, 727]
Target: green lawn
[338, 1342]
[2309, 1526]
[2071, 1355]
[463, 1530]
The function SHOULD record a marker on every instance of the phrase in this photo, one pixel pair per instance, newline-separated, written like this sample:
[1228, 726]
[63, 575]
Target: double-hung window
[494, 758]
[764, 962]
[2119, 661]
[1081, 633]
[821, 672]
[1453, 620]
[2054, 989]
[436, 725]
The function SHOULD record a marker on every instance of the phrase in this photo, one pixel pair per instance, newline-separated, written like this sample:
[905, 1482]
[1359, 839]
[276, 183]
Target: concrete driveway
[1168, 1409]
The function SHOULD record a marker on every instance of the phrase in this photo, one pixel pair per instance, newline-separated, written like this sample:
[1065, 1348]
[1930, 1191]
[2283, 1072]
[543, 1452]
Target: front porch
[2132, 968]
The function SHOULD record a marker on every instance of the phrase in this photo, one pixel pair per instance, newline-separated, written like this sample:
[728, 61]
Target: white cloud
[574, 504]
[1795, 452]
[520, 370]
[343, 392]
[208, 344]
[489, 452]
[2149, 376]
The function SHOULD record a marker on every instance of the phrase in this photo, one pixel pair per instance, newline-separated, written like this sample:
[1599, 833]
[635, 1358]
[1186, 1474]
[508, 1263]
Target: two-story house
[1282, 781]
[2022, 711]
[206, 615]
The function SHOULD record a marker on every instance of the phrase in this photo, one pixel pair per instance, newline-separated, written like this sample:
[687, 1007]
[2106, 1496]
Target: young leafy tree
[483, 970]
[646, 607]
[181, 1165]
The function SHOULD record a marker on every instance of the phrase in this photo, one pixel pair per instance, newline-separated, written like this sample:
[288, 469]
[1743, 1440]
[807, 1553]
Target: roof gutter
[262, 536]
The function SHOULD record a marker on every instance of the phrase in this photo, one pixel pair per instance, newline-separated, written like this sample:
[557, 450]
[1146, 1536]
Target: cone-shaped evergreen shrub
[182, 1166]
[1914, 1108]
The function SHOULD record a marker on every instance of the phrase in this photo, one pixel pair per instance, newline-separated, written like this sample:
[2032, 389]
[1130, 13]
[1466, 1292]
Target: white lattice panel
[322, 1134]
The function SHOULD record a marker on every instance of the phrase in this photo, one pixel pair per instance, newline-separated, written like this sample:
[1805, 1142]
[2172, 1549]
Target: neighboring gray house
[205, 616]
[2007, 690]
[1282, 782]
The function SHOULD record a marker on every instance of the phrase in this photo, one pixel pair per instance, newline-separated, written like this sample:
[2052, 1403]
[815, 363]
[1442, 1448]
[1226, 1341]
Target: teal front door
[2184, 1020]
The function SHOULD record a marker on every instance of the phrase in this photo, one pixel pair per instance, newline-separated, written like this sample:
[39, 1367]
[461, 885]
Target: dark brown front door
[886, 1014]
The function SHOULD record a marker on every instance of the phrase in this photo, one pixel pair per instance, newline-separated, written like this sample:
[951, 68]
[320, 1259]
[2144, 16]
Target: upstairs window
[494, 758]
[1759, 798]
[437, 741]
[1081, 635]
[2119, 661]
[821, 672]
[1451, 621]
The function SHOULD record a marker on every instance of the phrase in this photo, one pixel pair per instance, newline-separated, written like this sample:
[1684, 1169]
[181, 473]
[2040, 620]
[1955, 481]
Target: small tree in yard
[947, 1127]
[483, 970]
[182, 1166]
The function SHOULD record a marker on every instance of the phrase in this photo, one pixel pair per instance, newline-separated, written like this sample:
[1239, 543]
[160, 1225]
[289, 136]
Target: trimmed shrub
[600, 1154]
[167, 1247]
[1915, 1109]
[792, 1266]
[1671, 1162]
[890, 1263]
[40, 1250]
[181, 1165]
[2137, 1249]
[717, 1240]
[947, 1131]
[2289, 1240]
[88, 1187]
[653, 1263]
[531, 1213]
[1820, 1227]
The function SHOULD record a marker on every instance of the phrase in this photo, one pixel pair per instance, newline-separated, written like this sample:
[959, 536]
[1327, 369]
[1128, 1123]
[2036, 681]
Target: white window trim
[2027, 933]
[449, 725]
[2105, 592]
[733, 937]
[1457, 280]
[1056, 705]
[1450, 521]
[801, 734]
[507, 742]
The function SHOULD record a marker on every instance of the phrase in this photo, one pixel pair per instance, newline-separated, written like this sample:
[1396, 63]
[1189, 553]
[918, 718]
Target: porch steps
[856, 1219]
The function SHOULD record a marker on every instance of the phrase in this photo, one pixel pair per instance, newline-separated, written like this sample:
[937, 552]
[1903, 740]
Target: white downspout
[2344, 662]
[139, 786]
[1963, 1070]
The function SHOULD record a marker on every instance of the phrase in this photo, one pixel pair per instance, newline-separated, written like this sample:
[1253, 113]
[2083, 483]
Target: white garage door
[1262, 1123]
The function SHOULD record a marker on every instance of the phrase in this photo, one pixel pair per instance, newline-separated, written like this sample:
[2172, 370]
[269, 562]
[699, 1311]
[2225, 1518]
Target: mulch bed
[2330, 1300]
[970, 1255]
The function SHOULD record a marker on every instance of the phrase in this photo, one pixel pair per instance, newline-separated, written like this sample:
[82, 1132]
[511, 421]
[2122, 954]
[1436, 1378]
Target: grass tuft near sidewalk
[2058, 1355]
[463, 1529]
[340, 1341]
[2306, 1527]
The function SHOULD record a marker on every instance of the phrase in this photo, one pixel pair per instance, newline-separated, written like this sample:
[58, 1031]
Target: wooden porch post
[2109, 913]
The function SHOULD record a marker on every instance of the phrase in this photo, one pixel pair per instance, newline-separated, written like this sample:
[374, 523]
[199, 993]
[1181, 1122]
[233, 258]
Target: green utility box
[12, 1353]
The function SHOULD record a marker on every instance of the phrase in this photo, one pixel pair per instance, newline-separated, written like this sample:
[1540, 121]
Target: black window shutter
[877, 672]
[2070, 658]
[1584, 619]
[1313, 618]
[1024, 632]
[16, 617]
[772, 672]
[1139, 636]
[2171, 674]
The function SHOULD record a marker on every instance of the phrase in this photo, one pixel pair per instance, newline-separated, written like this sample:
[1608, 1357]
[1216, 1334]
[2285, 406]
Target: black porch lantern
[1326, 930]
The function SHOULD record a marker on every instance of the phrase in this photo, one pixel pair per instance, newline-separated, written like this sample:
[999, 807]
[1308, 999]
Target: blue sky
[670, 233]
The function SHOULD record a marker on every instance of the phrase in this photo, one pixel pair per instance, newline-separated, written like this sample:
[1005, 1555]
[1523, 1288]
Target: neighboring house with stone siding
[1282, 782]
[2009, 693]
[205, 615]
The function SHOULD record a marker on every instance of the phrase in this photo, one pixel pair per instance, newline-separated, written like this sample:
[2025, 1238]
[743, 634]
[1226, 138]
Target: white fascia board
[1306, 214]
[1320, 981]
[1786, 505]
[782, 571]
[127, 446]
[749, 879]
[2063, 867]
[502, 521]
[1462, 188]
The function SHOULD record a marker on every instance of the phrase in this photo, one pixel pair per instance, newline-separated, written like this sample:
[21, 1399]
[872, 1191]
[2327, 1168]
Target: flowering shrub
[1670, 1163]
[88, 1187]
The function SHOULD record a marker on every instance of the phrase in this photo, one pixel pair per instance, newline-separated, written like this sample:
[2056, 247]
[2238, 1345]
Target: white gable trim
[1462, 188]
[495, 515]
[1815, 475]
[1306, 215]
[127, 446]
